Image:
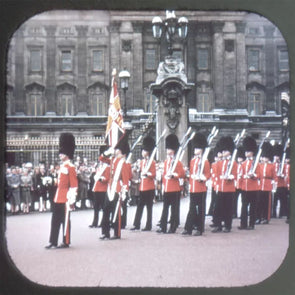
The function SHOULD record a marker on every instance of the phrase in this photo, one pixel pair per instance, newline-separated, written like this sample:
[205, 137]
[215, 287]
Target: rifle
[256, 161]
[210, 137]
[282, 164]
[149, 163]
[116, 178]
[183, 144]
[233, 158]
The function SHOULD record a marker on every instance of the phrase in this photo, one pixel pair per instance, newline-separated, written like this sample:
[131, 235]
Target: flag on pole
[114, 130]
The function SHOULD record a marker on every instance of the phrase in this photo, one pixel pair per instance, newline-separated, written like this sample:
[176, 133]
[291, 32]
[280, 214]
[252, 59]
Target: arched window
[255, 103]
[97, 104]
[66, 104]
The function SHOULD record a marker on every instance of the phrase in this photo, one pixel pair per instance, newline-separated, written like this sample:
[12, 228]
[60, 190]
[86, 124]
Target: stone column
[50, 88]
[218, 59]
[270, 58]
[82, 97]
[19, 93]
[241, 66]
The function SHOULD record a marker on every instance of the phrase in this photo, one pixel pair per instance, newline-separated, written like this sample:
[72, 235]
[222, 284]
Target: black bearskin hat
[278, 150]
[67, 144]
[267, 150]
[288, 153]
[241, 152]
[102, 149]
[227, 144]
[249, 144]
[172, 142]
[148, 144]
[217, 148]
[123, 145]
[199, 141]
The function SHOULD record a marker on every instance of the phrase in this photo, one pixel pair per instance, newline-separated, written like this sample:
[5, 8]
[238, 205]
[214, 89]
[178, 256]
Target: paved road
[146, 259]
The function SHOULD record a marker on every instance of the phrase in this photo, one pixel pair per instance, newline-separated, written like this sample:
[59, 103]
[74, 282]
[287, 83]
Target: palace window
[35, 60]
[283, 60]
[254, 104]
[35, 102]
[203, 103]
[97, 60]
[97, 104]
[202, 59]
[66, 61]
[66, 105]
[253, 60]
[150, 59]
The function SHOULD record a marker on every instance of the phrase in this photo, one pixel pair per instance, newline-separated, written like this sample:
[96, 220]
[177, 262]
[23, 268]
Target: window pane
[66, 104]
[35, 104]
[66, 61]
[254, 104]
[150, 59]
[283, 60]
[35, 60]
[253, 60]
[204, 102]
[97, 60]
[203, 59]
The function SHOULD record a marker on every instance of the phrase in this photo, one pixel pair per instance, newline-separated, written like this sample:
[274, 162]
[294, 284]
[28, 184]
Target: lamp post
[124, 77]
[172, 28]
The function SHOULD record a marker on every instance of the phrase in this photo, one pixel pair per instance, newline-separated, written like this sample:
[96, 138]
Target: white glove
[71, 195]
[203, 177]
[230, 177]
[109, 152]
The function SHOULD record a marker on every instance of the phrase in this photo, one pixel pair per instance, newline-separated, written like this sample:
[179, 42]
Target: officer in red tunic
[250, 185]
[118, 186]
[267, 177]
[240, 160]
[101, 179]
[146, 186]
[226, 190]
[65, 196]
[199, 174]
[280, 185]
[171, 186]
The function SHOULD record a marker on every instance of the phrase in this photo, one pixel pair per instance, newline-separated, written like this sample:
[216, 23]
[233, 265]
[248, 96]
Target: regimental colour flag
[115, 129]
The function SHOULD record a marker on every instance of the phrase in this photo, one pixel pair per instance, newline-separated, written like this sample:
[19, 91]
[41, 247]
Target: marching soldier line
[239, 167]
[233, 167]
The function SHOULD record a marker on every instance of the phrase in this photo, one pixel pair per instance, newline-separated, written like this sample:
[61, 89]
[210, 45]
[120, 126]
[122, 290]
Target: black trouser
[107, 218]
[249, 199]
[264, 205]
[196, 213]
[98, 203]
[146, 198]
[170, 199]
[224, 209]
[212, 203]
[124, 213]
[58, 218]
[281, 195]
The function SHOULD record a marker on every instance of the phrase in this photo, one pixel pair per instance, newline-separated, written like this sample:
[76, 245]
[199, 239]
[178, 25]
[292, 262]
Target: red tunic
[287, 175]
[197, 186]
[103, 171]
[172, 184]
[267, 175]
[67, 179]
[280, 181]
[148, 183]
[226, 185]
[249, 184]
[239, 182]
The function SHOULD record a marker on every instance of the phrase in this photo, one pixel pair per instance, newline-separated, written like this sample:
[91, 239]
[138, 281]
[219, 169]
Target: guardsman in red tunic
[214, 182]
[171, 186]
[250, 185]
[65, 196]
[125, 201]
[99, 189]
[226, 190]
[118, 186]
[287, 180]
[240, 160]
[199, 173]
[267, 177]
[147, 185]
[281, 192]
